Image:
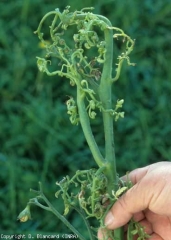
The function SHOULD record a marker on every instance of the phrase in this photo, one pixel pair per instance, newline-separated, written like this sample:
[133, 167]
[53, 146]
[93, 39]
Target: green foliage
[37, 141]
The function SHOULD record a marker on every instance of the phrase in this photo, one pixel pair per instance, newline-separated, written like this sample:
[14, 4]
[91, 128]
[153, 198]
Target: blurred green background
[37, 141]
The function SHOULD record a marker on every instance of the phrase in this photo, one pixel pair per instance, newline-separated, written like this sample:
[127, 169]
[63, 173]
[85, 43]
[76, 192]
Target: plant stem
[85, 123]
[55, 212]
[82, 214]
[66, 222]
[106, 99]
[119, 234]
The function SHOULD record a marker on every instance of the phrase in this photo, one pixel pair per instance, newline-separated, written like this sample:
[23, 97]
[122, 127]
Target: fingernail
[109, 218]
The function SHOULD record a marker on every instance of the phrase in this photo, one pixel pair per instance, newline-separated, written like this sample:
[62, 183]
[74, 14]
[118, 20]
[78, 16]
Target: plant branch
[55, 212]
[106, 99]
[85, 123]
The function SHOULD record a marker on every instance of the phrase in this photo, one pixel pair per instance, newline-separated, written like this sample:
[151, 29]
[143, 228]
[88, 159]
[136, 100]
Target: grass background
[37, 141]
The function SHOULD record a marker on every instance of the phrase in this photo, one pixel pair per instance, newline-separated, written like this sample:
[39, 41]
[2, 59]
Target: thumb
[128, 204]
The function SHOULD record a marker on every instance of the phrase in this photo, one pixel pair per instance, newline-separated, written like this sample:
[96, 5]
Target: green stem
[55, 212]
[119, 234]
[85, 123]
[106, 99]
[42, 21]
[82, 214]
[66, 222]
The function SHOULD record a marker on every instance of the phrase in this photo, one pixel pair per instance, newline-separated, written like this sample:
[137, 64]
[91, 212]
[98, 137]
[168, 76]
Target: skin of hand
[148, 202]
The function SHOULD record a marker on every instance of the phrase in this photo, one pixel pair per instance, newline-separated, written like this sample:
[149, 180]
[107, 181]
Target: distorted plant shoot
[87, 66]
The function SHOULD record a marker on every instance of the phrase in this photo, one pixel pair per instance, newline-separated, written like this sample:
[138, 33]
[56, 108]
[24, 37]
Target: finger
[102, 234]
[139, 216]
[147, 226]
[127, 205]
[155, 236]
[136, 175]
[145, 194]
[133, 201]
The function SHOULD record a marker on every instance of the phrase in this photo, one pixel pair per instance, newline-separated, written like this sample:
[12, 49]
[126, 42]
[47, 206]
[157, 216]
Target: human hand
[148, 202]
